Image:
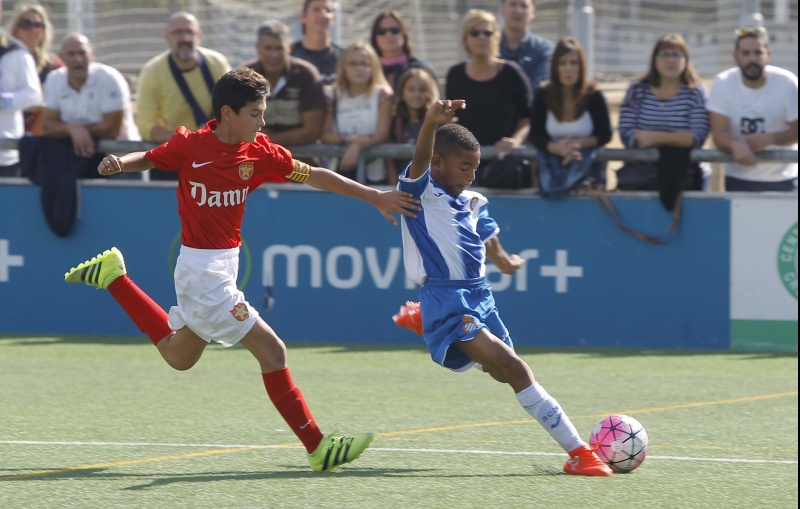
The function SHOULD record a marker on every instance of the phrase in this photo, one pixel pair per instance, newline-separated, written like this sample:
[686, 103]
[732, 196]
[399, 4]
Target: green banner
[764, 335]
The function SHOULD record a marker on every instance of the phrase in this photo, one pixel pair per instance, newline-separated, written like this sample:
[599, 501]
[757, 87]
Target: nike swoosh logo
[304, 426]
[195, 165]
[558, 421]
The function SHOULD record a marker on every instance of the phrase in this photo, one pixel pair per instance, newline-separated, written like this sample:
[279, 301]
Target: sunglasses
[27, 24]
[478, 33]
[751, 31]
[384, 31]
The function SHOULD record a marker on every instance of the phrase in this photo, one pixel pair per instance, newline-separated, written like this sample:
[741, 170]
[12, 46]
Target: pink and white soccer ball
[622, 440]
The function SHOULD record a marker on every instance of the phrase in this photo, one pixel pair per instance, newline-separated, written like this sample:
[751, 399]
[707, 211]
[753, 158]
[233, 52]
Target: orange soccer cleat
[584, 461]
[409, 317]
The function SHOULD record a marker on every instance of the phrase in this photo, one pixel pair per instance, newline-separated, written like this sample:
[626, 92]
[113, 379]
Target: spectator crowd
[520, 88]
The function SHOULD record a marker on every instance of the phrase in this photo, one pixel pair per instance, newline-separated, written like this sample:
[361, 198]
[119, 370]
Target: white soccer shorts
[209, 303]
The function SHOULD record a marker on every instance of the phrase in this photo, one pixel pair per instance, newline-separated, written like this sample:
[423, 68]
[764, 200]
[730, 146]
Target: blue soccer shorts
[455, 310]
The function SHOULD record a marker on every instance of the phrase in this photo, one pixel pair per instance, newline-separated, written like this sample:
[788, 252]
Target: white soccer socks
[546, 410]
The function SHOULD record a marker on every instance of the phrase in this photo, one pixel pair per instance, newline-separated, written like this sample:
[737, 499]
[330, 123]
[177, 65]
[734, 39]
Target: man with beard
[298, 103]
[175, 87]
[86, 100]
[753, 108]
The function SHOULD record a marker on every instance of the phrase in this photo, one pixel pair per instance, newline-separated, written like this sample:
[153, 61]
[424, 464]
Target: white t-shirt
[105, 91]
[581, 128]
[359, 115]
[19, 90]
[767, 109]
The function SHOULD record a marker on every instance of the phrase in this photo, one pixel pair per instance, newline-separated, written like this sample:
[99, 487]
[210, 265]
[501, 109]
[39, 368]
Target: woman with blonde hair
[497, 92]
[361, 115]
[31, 25]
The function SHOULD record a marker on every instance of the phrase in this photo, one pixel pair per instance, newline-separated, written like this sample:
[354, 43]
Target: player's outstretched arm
[387, 202]
[135, 161]
[508, 264]
[440, 112]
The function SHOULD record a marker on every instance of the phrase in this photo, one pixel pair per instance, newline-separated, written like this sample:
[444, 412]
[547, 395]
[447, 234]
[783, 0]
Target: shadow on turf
[30, 340]
[605, 352]
[289, 472]
[609, 352]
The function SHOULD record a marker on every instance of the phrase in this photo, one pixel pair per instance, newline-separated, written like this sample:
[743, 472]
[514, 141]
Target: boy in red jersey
[218, 166]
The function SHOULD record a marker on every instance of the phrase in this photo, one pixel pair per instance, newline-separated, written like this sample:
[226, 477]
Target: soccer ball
[621, 442]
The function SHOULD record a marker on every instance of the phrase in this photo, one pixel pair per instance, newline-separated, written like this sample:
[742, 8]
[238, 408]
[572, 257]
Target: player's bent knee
[181, 361]
[266, 347]
[182, 349]
[181, 366]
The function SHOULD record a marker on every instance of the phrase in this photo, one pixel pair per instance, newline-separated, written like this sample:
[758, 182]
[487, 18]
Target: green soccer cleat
[100, 271]
[336, 450]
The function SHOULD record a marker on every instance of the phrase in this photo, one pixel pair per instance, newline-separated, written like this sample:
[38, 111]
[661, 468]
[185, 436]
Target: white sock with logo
[546, 410]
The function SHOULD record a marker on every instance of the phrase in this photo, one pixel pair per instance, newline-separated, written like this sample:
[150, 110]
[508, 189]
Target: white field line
[382, 449]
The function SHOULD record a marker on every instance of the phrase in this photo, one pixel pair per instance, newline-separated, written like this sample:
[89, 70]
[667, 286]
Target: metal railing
[404, 151]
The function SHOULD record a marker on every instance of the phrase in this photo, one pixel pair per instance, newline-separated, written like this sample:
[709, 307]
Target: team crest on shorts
[246, 170]
[240, 312]
[469, 324]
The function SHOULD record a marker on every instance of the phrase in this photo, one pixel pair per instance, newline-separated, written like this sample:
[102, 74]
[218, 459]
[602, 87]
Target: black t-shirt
[494, 107]
[325, 60]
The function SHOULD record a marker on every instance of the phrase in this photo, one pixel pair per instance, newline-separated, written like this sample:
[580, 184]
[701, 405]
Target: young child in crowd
[417, 91]
[362, 111]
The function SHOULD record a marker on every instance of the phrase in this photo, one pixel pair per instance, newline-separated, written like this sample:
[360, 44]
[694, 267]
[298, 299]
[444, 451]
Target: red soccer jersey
[215, 179]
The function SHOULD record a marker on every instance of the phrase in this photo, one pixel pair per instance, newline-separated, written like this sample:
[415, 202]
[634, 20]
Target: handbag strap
[604, 204]
[200, 117]
[335, 111]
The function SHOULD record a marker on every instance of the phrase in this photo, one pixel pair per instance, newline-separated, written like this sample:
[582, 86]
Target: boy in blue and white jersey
[445, 248]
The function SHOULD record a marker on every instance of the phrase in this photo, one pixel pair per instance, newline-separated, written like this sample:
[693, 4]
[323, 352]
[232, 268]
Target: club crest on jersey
[473, 202]
[240, 312]
[246, 170]
[469, 324]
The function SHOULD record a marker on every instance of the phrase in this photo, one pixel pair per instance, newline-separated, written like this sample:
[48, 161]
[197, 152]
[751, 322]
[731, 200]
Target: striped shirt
[685, 111]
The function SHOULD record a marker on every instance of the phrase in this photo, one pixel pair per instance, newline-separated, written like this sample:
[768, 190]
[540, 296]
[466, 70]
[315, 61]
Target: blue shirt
[533, 55]
[446, 239]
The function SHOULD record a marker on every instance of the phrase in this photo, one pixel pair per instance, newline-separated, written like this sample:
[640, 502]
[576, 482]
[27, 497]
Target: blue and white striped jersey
[446, 239]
